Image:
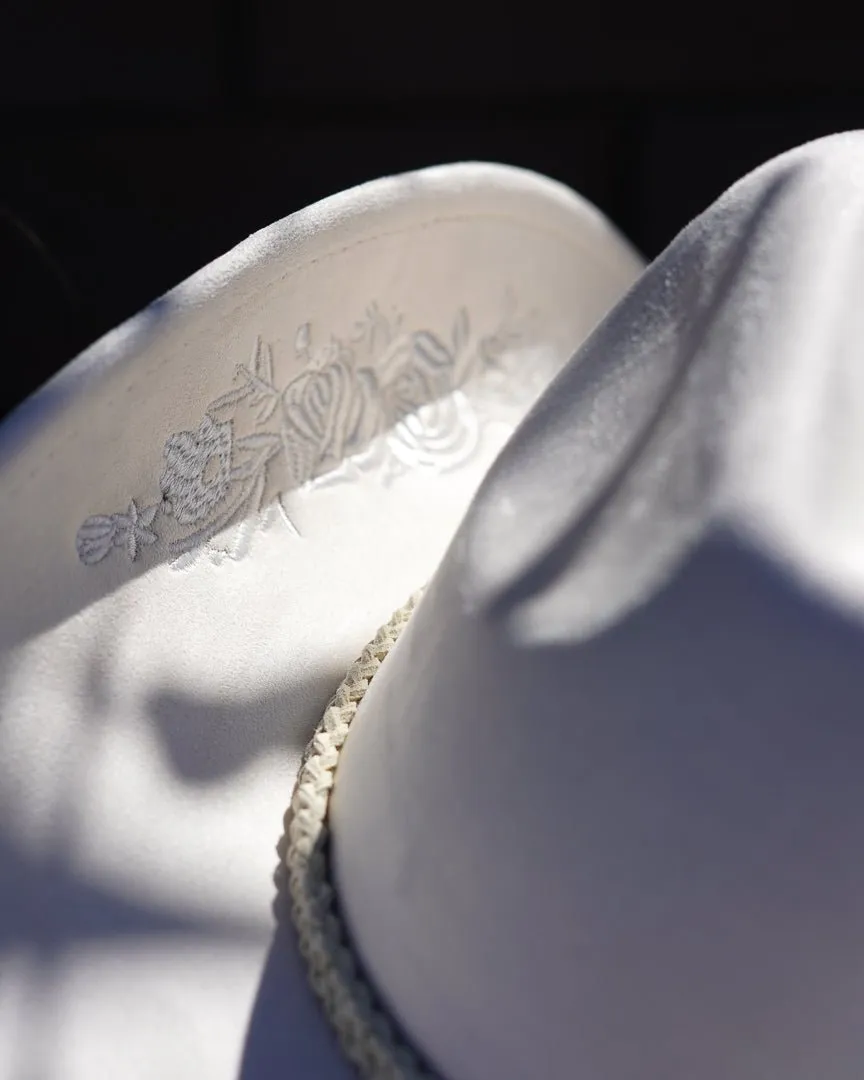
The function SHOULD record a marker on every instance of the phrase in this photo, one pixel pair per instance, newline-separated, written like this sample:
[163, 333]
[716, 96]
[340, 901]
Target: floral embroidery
[191, 489]
[381, 397]
[131, 530]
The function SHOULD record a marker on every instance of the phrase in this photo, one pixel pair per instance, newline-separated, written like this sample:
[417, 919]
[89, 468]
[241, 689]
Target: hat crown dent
[724, 394]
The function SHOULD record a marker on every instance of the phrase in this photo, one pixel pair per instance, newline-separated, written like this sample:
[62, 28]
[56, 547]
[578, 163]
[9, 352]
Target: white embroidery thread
[381, 399]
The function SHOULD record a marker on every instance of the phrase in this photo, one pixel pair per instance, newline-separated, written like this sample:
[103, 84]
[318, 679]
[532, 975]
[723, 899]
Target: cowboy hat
[597, 805]
[205, 516]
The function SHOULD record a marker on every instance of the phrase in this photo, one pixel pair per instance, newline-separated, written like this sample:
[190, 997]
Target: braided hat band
[368, 1036]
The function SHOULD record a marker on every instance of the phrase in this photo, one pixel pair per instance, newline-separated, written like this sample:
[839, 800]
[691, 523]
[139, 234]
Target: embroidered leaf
[230, 399]
[256, 495]
[262, 447]
[217, 554]
[193, 541]
[393, 469]
[431, 351]
[260, 388]
[254, 365]
[373, 328]
[266, 411]
[303, 339]
[461, 329]
[187, 559]
[268, 516]
[261, 363]
[243, 540]
[262, 442]
[243, 470]
[491, 349]
[95, 539]
[286, 517]
[145, 536]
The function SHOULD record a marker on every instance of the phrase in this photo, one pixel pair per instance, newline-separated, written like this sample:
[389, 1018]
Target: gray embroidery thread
[382, 398]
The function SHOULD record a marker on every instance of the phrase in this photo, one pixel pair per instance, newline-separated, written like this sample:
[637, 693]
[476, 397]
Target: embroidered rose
[440, 435]
[197, 474]
[365, 419]
[417, 372]
[328, 413]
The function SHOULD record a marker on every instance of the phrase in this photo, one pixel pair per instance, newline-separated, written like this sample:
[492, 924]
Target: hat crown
[598, 812]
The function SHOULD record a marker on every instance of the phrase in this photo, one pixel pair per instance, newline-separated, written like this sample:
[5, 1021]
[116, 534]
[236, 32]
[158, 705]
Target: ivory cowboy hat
[591, 808]
[204, 518]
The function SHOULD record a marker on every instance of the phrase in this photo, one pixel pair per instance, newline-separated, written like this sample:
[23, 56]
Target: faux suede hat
[590, 806]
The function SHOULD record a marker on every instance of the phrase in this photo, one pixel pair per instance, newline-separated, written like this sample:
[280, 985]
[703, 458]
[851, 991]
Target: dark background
[139, 143]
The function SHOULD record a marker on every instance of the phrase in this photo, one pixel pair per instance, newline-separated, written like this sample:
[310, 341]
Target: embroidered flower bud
[95, 538]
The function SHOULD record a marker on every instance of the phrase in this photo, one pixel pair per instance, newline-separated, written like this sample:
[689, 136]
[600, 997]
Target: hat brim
[205, 516]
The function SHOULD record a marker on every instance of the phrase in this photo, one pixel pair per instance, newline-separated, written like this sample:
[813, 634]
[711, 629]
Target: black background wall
[139, 143]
